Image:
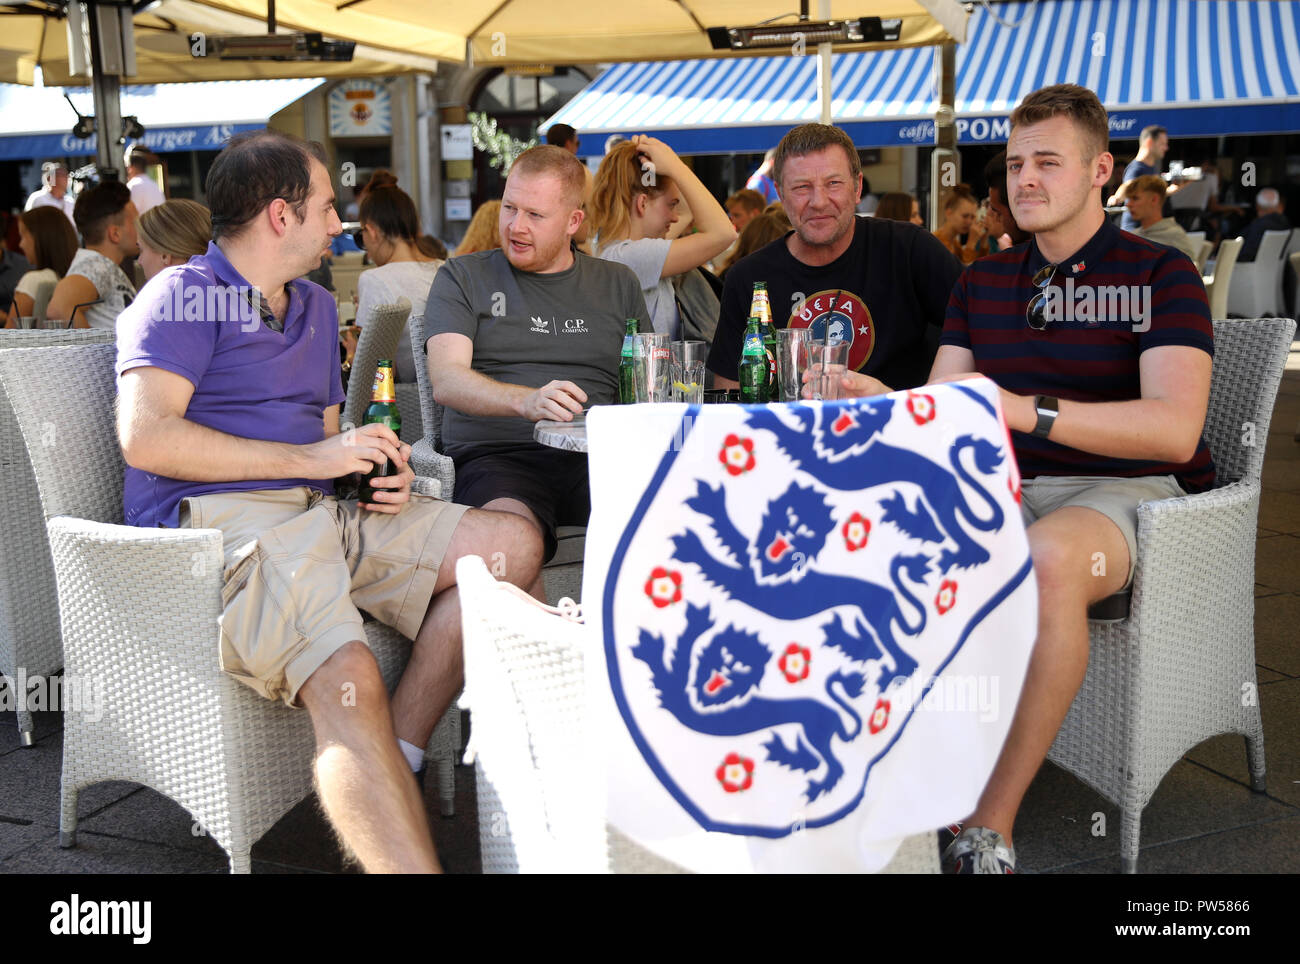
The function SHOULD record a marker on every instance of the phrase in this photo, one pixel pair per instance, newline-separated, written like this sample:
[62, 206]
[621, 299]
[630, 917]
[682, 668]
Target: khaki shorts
[298, 567]
[1115, 498]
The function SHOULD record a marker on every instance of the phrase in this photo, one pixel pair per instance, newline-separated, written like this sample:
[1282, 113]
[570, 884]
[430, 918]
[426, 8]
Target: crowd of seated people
[197, 458]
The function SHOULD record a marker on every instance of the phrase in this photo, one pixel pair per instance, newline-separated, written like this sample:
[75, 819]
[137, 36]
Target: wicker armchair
[139, 612]
[379, 336]
[541, 801]
[1181, 668]
[29, 609]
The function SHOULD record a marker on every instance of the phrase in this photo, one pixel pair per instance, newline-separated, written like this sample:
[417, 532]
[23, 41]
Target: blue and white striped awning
[1198, 67]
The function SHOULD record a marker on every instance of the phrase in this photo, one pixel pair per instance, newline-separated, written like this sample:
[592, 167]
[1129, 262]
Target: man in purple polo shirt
[1100, 343]
[229, 396]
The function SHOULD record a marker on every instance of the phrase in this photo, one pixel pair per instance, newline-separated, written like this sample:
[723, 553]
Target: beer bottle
[753, 366]
[383, 409]
[761, 308]
[627, 365]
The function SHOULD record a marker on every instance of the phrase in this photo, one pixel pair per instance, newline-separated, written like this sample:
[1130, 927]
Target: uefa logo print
[791, 578]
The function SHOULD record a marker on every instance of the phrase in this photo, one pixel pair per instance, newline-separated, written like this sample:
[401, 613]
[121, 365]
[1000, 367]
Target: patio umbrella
[34, 33]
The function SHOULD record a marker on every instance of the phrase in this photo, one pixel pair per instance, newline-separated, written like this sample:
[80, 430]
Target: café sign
[360, 108]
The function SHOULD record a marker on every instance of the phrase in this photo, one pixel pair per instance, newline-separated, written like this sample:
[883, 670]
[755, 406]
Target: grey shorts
[300, 565]
[1117, 499]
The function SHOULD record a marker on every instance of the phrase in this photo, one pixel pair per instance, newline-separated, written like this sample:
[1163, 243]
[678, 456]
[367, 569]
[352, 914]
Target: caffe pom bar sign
[360, 108]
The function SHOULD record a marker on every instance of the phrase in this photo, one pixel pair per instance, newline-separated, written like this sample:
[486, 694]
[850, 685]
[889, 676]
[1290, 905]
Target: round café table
[569, 436]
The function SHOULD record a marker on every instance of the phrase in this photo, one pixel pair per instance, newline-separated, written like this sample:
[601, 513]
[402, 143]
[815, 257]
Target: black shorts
[551, 482]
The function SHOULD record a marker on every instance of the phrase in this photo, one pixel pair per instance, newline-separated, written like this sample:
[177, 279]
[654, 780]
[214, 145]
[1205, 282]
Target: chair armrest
[434, 465]
[132, 598]
[1196, 560]
[422, 485]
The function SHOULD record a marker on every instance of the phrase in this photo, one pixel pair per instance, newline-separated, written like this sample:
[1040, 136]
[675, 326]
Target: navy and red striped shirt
[1112, 300]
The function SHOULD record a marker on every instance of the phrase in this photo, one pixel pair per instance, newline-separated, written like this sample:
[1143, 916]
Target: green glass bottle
[382, 409]
[627, 365]
[761, 308]
[753, 366]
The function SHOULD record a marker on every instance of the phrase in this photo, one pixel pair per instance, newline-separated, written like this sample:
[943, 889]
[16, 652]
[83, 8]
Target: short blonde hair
[1151, 183]
[557, 162]
[179, 227]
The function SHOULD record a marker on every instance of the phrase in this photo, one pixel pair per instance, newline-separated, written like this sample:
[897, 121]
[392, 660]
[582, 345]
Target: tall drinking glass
[791, 361]
[653, 367]
[828, 364]
[688, 359]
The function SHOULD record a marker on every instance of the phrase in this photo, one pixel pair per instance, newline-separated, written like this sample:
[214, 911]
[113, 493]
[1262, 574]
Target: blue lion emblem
[840, 445]
[713, 694]
[775, 575]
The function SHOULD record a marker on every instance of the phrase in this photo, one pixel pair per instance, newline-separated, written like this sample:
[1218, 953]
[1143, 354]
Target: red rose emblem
[947, 597]
[921, 407]
[737, 454]
[664, 587]
[879, 717]
[856, 531]
[736, 773]
[794, 663]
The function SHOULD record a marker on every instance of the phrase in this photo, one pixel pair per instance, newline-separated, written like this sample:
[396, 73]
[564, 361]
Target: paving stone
[100, 854]
[1279, 704]
[1054, 828]
[1277, 562]
[30, 778]
[1277, 633]
[1280, 511]
[1258, 849]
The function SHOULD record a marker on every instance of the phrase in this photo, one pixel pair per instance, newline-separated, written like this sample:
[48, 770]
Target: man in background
[1269, 208]
[1145, 197]
[144, 192]
[54, 190]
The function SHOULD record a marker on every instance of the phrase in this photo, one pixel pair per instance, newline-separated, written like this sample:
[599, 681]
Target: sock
[414, 755]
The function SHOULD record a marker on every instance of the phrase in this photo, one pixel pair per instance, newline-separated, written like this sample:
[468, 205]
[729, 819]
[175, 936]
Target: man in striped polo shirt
[1100, 342]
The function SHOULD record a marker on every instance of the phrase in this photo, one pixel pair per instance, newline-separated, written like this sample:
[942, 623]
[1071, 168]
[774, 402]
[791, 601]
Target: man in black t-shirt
[879, 284]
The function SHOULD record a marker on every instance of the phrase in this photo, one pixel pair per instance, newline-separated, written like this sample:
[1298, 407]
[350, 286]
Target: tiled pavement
[1203, 818]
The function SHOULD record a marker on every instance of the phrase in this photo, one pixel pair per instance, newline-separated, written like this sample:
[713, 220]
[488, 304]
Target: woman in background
[48, 242]
[959, 219]
[390, 232]
[172, 233]
[483, 233]
[630, 221]
[898, 206]
[759, 232]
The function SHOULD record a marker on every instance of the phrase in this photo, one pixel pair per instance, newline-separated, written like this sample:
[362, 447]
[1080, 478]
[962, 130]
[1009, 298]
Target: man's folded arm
[1164, 425]
[457, 385]
[156, 437]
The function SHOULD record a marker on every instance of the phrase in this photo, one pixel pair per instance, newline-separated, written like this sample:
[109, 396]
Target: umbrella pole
[824, 66]
[107, 89]
[945, 163]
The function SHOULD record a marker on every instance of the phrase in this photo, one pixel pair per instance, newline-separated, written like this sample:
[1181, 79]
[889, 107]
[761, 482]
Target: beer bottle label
[384, 390]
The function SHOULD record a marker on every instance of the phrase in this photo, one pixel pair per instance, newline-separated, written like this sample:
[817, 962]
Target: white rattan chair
[1256, 288]
[138, 610]
[29, 608]
[1218, 281]
[540, 798]
[1181, 668]
[427, 459]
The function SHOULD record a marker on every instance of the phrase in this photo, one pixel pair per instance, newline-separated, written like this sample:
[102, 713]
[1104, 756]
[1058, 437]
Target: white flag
[811, 621]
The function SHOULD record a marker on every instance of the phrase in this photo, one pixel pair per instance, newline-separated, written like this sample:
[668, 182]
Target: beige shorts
[298, 567]
[1115, 498]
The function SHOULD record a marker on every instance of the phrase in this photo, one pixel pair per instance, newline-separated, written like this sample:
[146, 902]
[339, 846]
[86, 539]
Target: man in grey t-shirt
[528, 332]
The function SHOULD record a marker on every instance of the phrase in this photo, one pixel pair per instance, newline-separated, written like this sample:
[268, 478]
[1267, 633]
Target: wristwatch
[1047, 408]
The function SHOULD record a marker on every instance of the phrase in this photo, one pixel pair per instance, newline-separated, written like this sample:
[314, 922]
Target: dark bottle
[383, 409]
[627, 365]
[753, 366]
